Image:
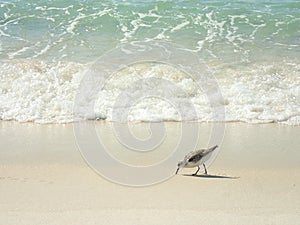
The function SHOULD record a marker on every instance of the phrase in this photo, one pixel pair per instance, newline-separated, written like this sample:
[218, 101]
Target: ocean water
[252, 48]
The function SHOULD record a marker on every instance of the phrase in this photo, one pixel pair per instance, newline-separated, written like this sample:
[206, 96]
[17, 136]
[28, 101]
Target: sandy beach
[255, 179]
[69, 68]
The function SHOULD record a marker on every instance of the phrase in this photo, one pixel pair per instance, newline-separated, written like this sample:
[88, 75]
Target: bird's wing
[195, 156]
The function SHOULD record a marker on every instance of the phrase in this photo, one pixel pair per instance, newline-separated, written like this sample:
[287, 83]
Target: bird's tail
[211, 149]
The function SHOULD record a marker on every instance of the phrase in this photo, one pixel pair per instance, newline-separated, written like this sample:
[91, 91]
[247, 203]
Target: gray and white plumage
[195, 159]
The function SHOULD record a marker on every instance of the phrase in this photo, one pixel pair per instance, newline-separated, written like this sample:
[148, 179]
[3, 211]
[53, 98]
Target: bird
[195, 158]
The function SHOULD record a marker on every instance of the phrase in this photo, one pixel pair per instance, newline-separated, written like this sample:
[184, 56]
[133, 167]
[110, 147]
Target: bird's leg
[196, 171]
[205, 168]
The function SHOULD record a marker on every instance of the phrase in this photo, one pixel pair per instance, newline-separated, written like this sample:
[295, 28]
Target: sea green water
[231, 31]
[250, 47]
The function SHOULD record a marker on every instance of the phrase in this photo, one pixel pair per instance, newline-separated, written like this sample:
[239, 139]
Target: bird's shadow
[210, 176]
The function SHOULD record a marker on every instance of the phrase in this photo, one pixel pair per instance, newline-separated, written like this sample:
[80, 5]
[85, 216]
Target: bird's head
[180, 164]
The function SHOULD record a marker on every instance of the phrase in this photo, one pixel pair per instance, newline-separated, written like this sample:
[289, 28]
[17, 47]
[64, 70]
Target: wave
[82, 31]
[261, 92]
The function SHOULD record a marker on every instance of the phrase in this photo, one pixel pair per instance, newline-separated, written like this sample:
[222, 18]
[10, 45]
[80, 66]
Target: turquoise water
[251, 47]
[232, 31]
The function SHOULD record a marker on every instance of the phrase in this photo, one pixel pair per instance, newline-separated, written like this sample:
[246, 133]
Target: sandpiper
[195, 158]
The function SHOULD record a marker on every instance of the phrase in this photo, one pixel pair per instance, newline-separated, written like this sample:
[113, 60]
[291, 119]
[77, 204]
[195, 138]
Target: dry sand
[44, 180]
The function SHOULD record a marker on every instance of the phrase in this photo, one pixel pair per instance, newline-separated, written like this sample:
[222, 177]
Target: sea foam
[261, 92]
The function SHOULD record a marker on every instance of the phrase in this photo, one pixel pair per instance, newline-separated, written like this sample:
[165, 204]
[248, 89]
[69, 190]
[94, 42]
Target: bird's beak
[177, 170]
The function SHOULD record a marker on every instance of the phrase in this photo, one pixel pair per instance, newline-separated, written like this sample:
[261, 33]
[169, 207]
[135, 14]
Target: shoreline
[149, 122]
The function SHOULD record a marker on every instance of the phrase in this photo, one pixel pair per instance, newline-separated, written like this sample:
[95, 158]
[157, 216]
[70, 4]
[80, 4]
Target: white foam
[180, 26]
[258, 93]
[36, 91]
